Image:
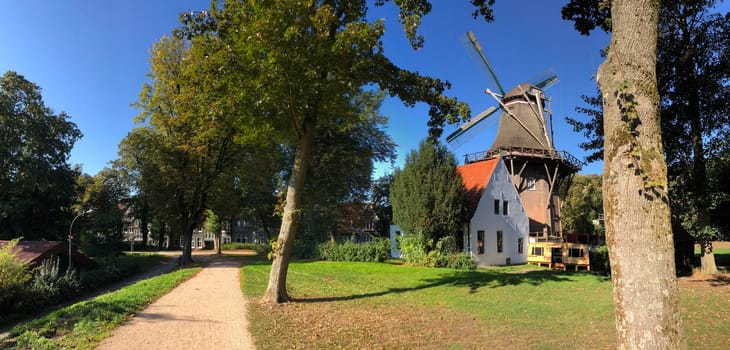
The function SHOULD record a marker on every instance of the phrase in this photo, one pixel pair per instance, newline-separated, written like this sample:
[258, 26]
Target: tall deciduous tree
[185, 141]
[345, 150]
[694, 50]
[36, 182]
[693, 70]
[428, 196]
[299, 64]
[636, 202]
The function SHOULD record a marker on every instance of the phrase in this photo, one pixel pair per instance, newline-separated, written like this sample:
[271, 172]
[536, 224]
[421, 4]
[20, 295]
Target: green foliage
[115, 267]
[340, 178]
[50, 286]
[428, 196]
[582, 204]
[99, 233]
[413, 248]
[260, 249]
[376, 250]
[85, 324]
[36, 182]
[446, 254]
[14, 274]
[462, 261]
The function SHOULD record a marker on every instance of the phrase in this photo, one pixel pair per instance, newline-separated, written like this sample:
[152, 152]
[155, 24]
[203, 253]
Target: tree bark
[636, 204]
[276, 291]
[187, 251]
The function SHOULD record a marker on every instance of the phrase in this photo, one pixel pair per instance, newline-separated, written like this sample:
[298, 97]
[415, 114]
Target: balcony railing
[522, 151]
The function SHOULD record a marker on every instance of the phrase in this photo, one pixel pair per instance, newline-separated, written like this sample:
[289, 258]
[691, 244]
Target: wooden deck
[559, 255]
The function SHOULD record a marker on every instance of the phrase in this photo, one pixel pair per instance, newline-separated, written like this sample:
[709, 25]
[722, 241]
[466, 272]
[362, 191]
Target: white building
[498, 227]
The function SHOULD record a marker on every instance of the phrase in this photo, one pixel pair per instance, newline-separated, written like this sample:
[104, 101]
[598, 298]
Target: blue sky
[91, 57]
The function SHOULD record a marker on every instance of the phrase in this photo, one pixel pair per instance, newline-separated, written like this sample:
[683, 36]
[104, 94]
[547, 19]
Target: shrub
[261, 249]
[14, 274]
[462, 261]
[50, 286]
[112, 268]
[413, 248]
[377, 250]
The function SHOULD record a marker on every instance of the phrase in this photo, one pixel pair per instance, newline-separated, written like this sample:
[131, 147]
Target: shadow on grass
[474, 280]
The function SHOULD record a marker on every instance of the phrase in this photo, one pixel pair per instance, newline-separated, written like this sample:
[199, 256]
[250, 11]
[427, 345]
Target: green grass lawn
[85, 324]
[371, 305]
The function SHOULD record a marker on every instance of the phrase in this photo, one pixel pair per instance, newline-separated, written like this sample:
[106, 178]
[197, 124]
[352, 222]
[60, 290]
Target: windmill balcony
[524, 152]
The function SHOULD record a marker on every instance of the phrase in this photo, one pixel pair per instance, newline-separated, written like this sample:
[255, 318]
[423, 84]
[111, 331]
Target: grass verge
[372, 305]
[85, 324]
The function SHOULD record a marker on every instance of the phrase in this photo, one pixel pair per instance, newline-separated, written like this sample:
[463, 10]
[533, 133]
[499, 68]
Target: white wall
[394, 251]
[513, 226]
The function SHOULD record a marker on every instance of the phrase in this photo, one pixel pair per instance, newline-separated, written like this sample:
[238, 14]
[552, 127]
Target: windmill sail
[467, 131]
[475, 48]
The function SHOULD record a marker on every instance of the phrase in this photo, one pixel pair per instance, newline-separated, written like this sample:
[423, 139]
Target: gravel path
[206, 312]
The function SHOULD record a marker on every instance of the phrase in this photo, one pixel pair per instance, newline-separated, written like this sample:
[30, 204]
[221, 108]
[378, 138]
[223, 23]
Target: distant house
[498, 227]
[35, 252]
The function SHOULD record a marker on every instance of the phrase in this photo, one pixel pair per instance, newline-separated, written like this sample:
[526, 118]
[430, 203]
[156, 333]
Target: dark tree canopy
[693, 70]
[36, 182]
[427, 195]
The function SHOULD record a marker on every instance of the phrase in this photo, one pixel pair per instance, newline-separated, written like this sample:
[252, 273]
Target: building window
[575, 253]
[520, 243]
[505, 206]
[499, 241]
[530, 183]
[537, 251]
[496, 207]
[480, 242]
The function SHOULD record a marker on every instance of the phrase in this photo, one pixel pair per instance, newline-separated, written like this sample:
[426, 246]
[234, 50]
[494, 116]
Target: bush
[50, 286]
[115, 267]
[14, 274]
[599, 261]
[377, 250]
[462, 261]
[413, 248]
[261, 249]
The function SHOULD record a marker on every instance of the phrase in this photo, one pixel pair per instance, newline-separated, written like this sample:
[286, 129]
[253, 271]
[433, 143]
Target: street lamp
[70, 228]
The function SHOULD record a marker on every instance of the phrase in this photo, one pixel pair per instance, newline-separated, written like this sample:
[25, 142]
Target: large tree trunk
[638, 228]
[276, 291]
[187, 250]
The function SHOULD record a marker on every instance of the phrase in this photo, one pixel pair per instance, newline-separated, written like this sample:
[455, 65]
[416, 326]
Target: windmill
[524, 141]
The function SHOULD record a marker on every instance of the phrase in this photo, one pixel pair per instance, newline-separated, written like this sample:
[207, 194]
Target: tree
[300, 64]
[636, 202]
[380, 199]
[341, 169]
[36, 182]
[428, 196]
[692, 69]
[694, 49]
[582, 204]
[101, 231]
[185, 139]
[213, 225]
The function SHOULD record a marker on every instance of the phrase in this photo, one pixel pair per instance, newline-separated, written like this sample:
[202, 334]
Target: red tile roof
[36, 251]
[475, 177]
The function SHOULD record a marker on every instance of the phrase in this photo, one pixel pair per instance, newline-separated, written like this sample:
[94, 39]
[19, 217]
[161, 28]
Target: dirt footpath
[206, 312]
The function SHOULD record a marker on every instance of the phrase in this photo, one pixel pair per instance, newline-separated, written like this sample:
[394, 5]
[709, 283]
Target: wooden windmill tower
[525, 143]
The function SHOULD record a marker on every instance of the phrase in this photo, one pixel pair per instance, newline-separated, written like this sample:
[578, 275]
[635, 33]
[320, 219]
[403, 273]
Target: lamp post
[70, 236]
